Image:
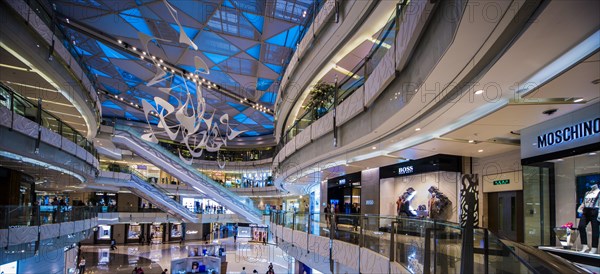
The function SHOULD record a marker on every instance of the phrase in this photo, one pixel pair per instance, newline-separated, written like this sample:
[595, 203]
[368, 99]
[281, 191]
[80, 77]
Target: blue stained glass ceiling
[234, 39]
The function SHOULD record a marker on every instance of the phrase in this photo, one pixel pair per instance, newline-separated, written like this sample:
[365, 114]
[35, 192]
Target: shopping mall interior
[299, 136]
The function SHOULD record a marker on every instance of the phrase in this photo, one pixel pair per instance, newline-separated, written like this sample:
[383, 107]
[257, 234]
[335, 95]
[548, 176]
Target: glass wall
[553, 191]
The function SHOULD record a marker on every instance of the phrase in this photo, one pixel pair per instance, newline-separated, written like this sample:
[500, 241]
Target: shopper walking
[113, 244]
[82, 265]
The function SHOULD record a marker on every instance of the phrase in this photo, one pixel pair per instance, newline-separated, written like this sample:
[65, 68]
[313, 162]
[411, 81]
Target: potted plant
[321, 97]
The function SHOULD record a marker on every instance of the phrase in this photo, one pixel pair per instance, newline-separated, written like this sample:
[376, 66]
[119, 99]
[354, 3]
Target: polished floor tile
[154, 258]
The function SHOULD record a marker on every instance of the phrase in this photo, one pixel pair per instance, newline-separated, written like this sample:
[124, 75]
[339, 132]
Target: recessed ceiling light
[578, 100]
[592, 153]
[417, 129]
[481, 150]
[374, 147]
[471, 141]
[479, 92]
[559, 160]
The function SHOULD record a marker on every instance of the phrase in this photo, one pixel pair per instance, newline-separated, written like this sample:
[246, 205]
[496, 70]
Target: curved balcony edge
[316, 49]
[51, 148]
[80, 92]
[413, 24]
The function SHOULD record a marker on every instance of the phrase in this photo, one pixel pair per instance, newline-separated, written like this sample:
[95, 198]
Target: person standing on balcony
[82, 265]
[35, 213]
[55, 209]
[327, 211]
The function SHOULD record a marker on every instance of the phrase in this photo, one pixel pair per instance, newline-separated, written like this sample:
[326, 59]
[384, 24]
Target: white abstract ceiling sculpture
[198, 130]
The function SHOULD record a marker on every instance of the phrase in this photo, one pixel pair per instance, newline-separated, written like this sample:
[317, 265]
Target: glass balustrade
[384, 41]
[15, 216]
[30, 110]
[418, 245]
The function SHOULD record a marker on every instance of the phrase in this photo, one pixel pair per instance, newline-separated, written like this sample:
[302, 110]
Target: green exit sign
[501, 182]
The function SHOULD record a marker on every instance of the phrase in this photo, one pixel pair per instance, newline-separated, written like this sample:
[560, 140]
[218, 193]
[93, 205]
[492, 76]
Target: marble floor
[155, 258]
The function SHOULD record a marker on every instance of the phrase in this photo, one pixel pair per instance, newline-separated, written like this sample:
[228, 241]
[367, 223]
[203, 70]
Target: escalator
[140, 186]
[157, 155]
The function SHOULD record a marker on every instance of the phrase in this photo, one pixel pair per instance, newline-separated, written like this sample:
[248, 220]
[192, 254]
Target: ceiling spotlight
[481, 150]
[143, 52]
[160, 60]
[153, 57]
[417, 129]
[374, 148]
[578, 100]
[119, 41]
[133, 48]
[142, 57]
[471, 141]
[479, 92]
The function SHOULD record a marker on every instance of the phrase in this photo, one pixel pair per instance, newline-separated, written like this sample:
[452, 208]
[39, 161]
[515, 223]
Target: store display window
[104, 232]
[156, 233]
[259, 233]
[176, 230]
[421, 188]
[135, 231]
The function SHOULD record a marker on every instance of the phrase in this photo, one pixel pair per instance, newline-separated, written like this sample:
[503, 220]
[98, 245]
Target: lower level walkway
[155, 258]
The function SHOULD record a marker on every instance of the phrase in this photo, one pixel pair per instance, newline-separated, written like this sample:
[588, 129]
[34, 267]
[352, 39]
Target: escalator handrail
[554, 263]
[137, 180]
[231, 195]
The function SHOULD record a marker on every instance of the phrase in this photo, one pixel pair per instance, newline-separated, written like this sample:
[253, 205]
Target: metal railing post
[392, 245]
[293, 226]
[309, 222]
[486, 251]
[331, 231]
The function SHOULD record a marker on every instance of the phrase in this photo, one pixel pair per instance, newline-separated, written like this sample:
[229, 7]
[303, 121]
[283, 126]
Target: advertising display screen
[103, 232]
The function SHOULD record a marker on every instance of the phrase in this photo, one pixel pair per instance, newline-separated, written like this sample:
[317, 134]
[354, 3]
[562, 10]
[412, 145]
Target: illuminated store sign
[576, 130]
[569, 133]
[406, 170]
[501, 182]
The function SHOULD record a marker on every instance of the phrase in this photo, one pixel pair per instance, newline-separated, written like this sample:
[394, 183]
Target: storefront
[344, 192]
[157, 233]
[259, 233]
[175, 231]
[103, 234]
[426, 187]
[134, 233]
[561, 173]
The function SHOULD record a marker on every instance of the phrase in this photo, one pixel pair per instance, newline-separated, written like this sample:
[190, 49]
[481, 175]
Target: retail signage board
[571, 130]
[501, 182]
[506, 181]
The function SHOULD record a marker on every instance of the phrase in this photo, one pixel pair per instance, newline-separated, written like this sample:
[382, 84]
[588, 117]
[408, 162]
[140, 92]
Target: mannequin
[437, 203]
[405, 209]
[589, 213]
